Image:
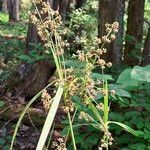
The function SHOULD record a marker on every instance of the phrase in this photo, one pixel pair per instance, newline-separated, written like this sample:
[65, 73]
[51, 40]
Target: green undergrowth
[15, 29]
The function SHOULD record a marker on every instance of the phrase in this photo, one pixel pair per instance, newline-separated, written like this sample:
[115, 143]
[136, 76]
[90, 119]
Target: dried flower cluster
[107, 138]
[46, 100]
[94, 55]
[85, 116]
[69, 106]
[59, 144]
[48, 22]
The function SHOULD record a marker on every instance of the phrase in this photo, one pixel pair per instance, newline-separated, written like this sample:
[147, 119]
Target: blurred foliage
[10, 51]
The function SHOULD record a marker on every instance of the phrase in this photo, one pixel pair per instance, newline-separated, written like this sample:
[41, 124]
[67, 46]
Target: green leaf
[147, 125]
[137, 146]
[141, 73]
[65, 130]
[140, 125]
[2, 141]
[98, 76]
[92, 139]
[26, 58]
[6, 147]
[128, 129]
[40, 57]
[125, 78]
[71, 63]
[2, 103]
[119, 91]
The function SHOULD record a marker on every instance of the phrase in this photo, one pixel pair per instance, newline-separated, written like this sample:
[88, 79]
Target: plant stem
[106, 109]
[106, 103]
[72, 133]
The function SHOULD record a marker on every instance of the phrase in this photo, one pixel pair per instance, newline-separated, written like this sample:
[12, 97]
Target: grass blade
[127, 128]
[50, 118]
[23, 113]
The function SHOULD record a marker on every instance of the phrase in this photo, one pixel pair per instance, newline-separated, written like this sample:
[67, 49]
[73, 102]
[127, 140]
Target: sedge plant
[73, 81]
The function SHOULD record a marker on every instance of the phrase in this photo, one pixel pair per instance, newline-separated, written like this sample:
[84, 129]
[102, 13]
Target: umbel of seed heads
[49, 23]
[93, 59]
[96, 53]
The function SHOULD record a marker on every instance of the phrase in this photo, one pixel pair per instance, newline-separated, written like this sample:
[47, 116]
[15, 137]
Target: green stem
[106, 103]
[72, 126]
[96, 113]
[72, 133]
[49, 140]
[106, 110]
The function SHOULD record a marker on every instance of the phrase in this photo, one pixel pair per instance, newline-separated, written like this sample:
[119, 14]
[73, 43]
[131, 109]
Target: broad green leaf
[119, 91]
[116, 116]
[65, 130]
[40, 57]
[137, 146]
[127, 128]
[125, 78]
[141, 73]
[98, 76]
[130, 114]
[140, 125]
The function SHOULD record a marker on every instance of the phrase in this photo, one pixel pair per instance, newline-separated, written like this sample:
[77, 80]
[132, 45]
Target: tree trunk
[146, 50]
[111, 11]
[34, 76]
[10, 9]
[134, 32]
[1, 3]
[4, 6]
[16, 4]
[63, 9]
[56, 4]
[70, 2]
[13, 8]
[80, 3]
[32, 37]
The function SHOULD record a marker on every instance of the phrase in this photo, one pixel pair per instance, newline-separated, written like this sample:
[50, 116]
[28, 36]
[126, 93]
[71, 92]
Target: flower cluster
[94, 54]
[69, 106]
[47, 22]
[85, 116]
[46, 100]
[107, 138]
[59, 144]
